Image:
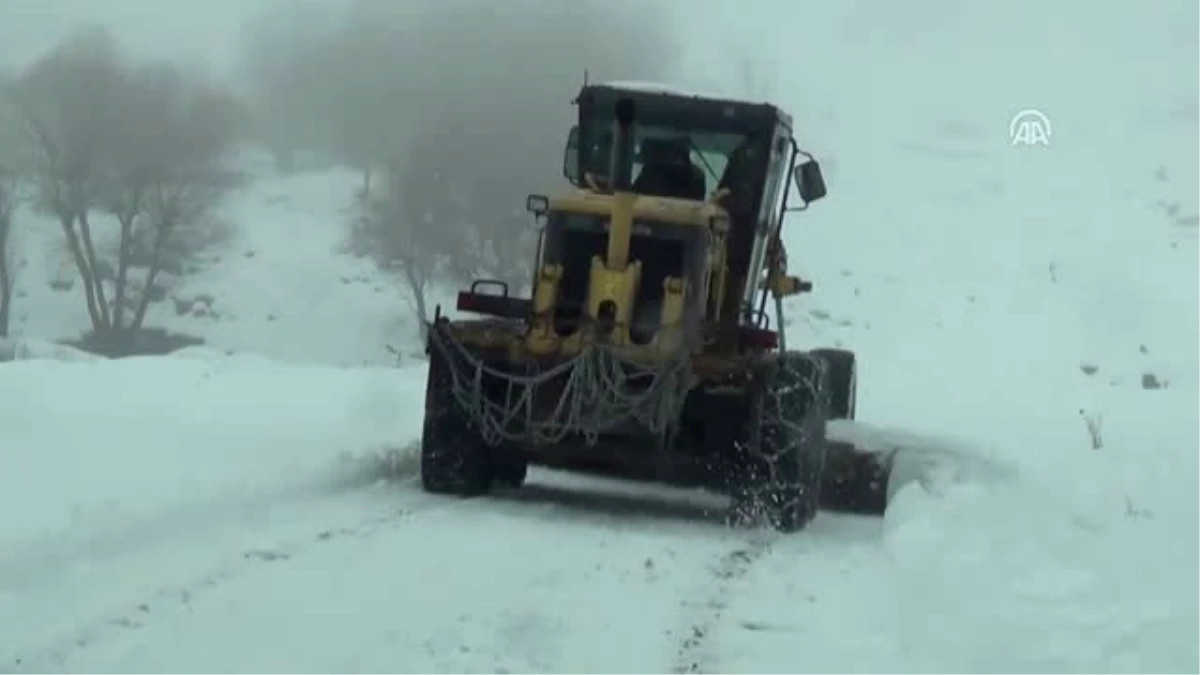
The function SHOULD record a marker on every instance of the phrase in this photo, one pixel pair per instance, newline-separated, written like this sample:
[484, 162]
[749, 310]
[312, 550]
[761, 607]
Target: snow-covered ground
[212, 513]
[1029, 315]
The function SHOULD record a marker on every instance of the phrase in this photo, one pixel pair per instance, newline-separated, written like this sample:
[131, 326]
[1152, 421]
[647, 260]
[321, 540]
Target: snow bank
[1034, 588]
[22, 349]
[1083, 560]
[995, 559]
[97, 448]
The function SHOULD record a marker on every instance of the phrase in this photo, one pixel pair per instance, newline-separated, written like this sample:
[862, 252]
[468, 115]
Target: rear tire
[842, 368]
[781, 458]
[454, 459]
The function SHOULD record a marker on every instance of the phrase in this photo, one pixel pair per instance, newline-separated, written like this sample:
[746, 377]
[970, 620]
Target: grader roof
[660, 103]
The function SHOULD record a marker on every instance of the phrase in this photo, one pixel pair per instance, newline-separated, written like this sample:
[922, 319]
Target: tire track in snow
[696, 650]
[42, 559]
[177, 596]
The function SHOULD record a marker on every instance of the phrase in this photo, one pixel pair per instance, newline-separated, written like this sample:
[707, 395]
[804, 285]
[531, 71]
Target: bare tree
[8, 199]
[68, 102]
[164, 171]
[409, 237]
[11, 161]
[144, 144]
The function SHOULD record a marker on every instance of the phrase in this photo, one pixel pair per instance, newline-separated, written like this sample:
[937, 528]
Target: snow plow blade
[856, 480]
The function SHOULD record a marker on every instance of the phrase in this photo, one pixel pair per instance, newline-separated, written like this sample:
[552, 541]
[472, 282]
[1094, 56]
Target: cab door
[768, 216]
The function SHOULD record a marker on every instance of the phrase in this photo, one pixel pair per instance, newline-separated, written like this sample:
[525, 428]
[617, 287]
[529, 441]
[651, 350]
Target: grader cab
[647, 348]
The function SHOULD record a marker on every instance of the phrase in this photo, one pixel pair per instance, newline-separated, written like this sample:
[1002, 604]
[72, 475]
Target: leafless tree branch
[12, 160]
[143, 143]
[8, 200]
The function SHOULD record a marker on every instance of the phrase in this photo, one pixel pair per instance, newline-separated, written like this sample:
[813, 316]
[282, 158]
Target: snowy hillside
[1027, 319]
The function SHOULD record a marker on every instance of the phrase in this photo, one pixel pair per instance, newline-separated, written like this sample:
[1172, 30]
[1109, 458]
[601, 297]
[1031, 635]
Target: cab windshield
[665, 149]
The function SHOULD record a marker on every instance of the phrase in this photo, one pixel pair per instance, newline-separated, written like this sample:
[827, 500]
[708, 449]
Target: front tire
[783, 449]
[454, 459]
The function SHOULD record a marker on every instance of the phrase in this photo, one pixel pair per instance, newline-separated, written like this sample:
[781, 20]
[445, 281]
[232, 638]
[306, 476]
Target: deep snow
[260, 511]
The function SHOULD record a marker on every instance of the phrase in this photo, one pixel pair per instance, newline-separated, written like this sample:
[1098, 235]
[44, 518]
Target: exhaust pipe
[621, 173]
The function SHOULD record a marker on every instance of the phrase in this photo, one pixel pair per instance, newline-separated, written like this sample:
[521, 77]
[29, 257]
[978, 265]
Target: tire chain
[759, 494]
[596, 395]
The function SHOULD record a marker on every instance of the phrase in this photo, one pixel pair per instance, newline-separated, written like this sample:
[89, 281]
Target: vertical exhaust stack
[621, 173]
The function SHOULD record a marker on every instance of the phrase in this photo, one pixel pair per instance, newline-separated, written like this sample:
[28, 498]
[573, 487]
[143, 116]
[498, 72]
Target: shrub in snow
[140, 342]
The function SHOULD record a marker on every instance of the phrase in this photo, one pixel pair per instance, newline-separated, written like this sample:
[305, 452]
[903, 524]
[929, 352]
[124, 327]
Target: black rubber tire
[454, 459]
[511, 469]
[782, 456]
[842, 373]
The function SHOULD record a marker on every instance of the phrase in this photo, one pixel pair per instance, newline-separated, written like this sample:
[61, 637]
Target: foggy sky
[204, 31]
[926, 59]
[195, 31]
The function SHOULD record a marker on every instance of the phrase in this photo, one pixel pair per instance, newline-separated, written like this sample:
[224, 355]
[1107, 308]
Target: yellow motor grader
[647, 349]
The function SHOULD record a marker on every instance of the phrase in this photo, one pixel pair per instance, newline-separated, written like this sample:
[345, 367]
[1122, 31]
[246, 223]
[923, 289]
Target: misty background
[135, 114]
[204, 31]
[127, 122]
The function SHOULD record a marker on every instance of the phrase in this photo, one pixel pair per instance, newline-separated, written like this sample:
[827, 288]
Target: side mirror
[571, 156]
[538, 205]
[809, 180]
